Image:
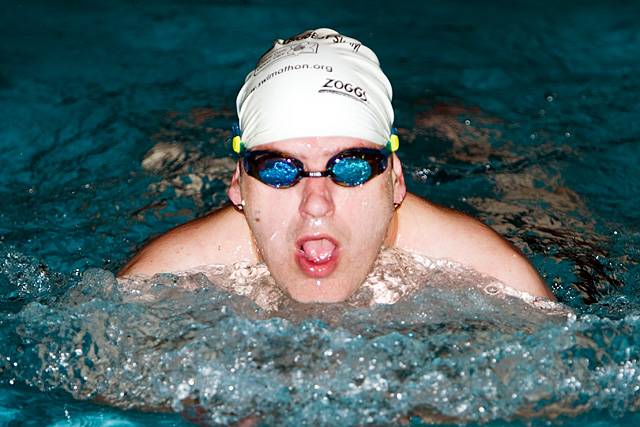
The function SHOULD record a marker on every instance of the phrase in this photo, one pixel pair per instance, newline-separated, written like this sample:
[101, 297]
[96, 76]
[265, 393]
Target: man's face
[318, 239]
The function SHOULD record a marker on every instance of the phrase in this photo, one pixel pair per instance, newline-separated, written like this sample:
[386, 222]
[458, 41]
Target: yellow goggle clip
[236, 141]
[394, 142]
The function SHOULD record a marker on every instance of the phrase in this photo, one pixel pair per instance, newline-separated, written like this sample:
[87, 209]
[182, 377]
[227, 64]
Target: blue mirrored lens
[278, 173]
[351, 171]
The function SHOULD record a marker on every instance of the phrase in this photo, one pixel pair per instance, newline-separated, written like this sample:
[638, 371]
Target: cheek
[368, 208]
[268, 212]
[375, 197]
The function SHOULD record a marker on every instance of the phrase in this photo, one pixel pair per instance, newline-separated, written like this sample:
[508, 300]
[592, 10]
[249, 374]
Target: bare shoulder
[221, 237]
[439, 232]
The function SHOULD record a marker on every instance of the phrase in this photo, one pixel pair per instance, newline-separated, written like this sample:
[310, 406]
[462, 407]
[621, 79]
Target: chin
[328, 290]
[331, 276]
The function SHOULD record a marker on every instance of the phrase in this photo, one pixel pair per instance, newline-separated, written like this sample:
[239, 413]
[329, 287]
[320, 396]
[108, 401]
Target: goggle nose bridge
[316, 174]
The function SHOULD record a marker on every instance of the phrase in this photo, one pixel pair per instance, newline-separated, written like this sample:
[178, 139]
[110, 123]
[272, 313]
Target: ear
[399, 187]
[234, 192]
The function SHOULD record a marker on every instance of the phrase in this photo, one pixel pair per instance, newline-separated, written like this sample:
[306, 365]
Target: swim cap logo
[284, 52]
[334, 37]
[342, 88]
[308, 35]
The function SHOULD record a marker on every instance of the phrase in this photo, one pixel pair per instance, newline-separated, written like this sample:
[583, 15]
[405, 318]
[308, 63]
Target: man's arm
[221, 237]
[438, 232]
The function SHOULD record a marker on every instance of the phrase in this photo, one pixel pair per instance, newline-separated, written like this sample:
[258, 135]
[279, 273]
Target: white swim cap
[318, 83]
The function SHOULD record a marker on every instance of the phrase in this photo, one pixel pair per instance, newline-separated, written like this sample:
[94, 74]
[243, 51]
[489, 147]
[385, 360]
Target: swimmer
[318, 189]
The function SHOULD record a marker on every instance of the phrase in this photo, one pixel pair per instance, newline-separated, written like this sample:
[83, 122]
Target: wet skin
[320, 240]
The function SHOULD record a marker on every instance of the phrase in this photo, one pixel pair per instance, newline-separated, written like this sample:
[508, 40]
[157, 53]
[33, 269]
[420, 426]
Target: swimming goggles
[348, 168]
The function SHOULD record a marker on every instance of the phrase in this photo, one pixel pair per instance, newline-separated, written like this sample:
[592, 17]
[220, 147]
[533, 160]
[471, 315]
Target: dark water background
[524, 114]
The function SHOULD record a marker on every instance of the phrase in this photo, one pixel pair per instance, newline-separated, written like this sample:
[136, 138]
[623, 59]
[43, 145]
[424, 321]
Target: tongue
[318, 250]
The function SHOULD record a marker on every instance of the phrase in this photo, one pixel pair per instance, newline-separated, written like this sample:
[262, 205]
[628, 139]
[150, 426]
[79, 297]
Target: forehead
[317, 147]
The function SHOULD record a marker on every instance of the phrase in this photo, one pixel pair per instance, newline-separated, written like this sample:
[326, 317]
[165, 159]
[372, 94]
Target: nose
[317, 200]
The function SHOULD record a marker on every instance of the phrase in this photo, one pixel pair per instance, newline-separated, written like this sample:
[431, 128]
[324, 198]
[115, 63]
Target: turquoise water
[522, 114]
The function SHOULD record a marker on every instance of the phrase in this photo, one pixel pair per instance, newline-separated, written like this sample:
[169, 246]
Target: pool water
[114, 128]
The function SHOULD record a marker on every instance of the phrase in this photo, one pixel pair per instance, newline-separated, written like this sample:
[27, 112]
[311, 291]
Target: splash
[422, 339]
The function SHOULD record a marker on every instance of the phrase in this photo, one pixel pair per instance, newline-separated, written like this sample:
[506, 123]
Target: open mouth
[317, 256]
